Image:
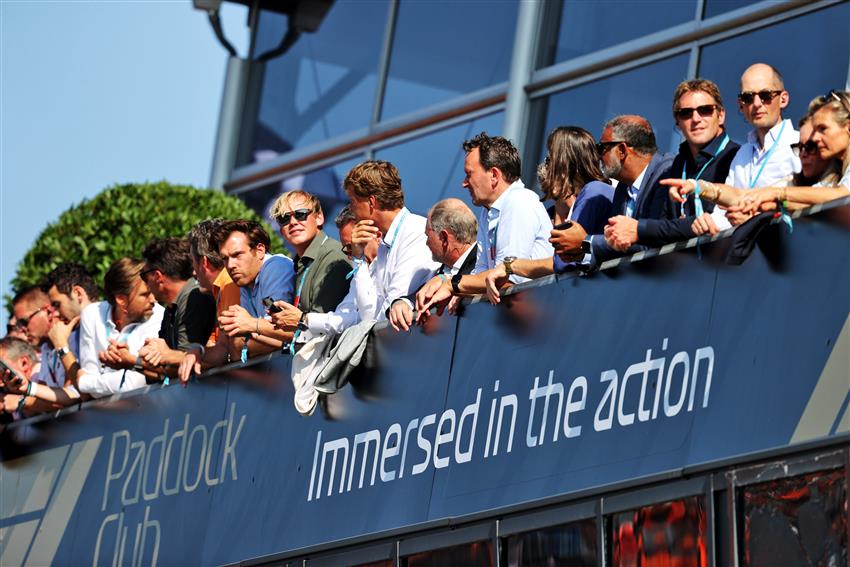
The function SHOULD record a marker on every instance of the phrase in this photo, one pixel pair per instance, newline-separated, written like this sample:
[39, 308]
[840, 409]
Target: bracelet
[29, 389]
[443, 277]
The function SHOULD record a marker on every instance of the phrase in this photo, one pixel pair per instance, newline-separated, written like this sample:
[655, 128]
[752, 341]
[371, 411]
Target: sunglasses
[299, 214]
[766, 96]
[346, 249]
[23, 322]
[809, 147]
[603, 147]
[704, 110]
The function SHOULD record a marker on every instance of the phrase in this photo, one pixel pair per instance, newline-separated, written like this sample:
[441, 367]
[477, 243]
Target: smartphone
[268, 302]
[16, 380]
[563, 225]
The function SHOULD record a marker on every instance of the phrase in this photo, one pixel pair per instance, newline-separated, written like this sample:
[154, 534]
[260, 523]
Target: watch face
[585, 246]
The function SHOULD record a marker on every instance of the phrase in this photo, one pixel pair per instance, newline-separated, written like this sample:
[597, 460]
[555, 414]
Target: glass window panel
[646, 91]
[715, 7]
[325, 183]
[324, 85]
[808, 71]
[795, 521]
[446, 48]
[571, 545]
[672, 533]
[431, 167]
[588, 26]
[479, 554]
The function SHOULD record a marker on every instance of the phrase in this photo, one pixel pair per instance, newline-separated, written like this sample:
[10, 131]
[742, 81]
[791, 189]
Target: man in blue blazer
[629, 156]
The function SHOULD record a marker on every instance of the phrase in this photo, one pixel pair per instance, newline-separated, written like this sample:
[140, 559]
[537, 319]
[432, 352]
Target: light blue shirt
[515, 225]
[276, 279]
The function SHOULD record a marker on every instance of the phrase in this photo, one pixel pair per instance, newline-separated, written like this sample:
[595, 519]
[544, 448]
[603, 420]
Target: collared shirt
[716, 171]
[96, 328]
[516, 224]
[225, 293]
[274, 280]
[325, 284]
[190, 319]
[750, 158]
[403, 264]
[51, 371]
[634, 192]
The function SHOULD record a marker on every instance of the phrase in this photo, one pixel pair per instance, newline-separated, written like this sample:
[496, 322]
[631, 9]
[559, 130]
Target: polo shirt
[275, 280]
[190, 319]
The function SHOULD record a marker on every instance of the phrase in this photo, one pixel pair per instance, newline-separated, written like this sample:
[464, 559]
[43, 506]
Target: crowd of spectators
[219, 295]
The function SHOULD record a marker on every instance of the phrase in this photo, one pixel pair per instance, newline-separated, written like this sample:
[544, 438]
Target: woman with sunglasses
[571, 177]
[830, 120]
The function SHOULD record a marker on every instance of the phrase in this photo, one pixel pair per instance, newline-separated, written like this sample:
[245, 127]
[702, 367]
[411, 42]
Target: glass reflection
[571, 545]
[325, 85]
[646, 91]
[471, 555]
[808, 72]
[715, 7]
[796, 521]
[325, 183]
[443, 49]
[590, 26]
[672, 533]
[431, 166]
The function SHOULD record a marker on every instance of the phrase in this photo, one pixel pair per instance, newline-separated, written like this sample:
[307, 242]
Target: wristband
[443, 277]
[29, 389]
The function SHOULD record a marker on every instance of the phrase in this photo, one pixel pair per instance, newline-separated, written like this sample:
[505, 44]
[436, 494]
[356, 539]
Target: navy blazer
[651, 204]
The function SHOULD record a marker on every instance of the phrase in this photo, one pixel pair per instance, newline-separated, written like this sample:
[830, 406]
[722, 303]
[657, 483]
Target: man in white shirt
[766, 158]
[113, 331]
[513, 223]
[402, 264]
[450, 233]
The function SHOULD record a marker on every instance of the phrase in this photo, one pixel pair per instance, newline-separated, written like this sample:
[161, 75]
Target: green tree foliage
[120, 221]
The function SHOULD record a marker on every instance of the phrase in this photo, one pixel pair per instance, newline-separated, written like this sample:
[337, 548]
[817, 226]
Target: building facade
[409, 80]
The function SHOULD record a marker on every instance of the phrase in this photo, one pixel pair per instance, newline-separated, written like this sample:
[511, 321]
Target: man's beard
[612, 171]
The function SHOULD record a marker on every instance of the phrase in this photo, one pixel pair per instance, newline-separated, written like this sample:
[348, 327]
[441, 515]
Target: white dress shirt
[751, 156]
[96, 328]
[403, 264]
[520, 226]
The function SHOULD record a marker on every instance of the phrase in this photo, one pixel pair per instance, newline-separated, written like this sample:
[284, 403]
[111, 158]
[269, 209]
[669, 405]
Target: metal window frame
[688, 37]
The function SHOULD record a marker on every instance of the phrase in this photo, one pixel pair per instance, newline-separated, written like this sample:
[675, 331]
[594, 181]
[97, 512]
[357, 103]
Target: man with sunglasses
[628, 154]
[32, 312]
[706, 154]
[320, 265]
[766, 158]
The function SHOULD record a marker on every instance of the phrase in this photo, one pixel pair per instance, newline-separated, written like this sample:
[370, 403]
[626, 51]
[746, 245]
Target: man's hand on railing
[621, 233]
[190, 363]
[401, 315]
[704, 224]
[495, 279]
[436, 292]
[117, 356]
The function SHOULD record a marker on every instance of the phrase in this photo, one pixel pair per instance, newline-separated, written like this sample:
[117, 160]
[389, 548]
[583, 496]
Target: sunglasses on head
[766, 96]
[704, 110]
[809, 147]
[299, 214]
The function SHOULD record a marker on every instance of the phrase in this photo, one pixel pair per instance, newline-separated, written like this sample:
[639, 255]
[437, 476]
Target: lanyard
[493, 242]
[767, 157]
[697, 201]
[389, 245]
[300, 285]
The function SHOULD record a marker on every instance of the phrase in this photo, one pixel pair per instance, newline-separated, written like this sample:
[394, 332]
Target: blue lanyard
[767, 157]
[300, 285]
[493, 242]
[697, 201]
[389, 245]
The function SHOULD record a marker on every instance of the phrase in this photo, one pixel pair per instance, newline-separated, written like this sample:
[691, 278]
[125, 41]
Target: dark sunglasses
[704, 110]
[603, 147]
[24, 321]
[346, 249]
[809, 147]
[299, 214]
[833, 95]
[766, 96]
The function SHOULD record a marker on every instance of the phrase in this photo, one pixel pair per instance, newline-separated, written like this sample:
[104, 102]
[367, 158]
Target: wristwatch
[302, 322]
[63, 351]
[586, 246]
[508, 260]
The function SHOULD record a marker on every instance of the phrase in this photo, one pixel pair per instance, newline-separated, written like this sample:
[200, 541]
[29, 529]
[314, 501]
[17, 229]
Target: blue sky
[97, 93]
